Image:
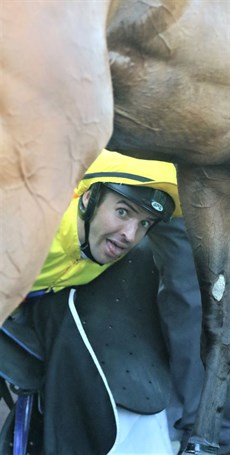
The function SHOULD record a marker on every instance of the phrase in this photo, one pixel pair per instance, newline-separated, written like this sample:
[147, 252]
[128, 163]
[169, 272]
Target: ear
[86, 198]
[88, 202]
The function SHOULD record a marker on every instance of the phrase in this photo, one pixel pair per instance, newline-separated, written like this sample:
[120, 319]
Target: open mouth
[114, 249]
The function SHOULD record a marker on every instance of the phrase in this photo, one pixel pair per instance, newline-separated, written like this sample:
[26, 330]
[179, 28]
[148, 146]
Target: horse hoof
[200, 449]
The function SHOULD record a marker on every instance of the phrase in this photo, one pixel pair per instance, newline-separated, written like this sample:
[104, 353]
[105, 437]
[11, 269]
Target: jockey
[143, 193]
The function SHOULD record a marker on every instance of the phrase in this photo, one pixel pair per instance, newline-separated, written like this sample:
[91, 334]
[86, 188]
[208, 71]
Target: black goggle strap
[85, 245]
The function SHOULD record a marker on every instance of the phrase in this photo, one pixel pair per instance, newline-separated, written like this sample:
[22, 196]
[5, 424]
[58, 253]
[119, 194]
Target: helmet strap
[86, 213]
[85, 247]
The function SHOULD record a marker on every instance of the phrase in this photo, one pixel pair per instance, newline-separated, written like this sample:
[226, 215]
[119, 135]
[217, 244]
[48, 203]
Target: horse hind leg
[205, 198]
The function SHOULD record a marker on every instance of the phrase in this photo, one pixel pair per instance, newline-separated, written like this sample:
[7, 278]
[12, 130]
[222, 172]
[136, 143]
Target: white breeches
[142, 434]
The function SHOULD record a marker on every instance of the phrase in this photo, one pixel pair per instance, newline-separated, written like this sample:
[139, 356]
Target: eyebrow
[127, 202]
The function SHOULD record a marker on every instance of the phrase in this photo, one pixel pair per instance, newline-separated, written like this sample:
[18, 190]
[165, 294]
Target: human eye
[122, 212]
[146, 224]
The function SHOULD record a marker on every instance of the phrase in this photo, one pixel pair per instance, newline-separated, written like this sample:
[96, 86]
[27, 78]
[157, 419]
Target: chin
[110, 260]
[102, 260]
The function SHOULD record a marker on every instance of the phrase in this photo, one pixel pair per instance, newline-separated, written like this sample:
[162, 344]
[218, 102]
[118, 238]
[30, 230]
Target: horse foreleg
[56, 116]
[205, 199]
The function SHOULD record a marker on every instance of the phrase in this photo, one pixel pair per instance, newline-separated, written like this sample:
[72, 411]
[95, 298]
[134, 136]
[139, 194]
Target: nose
[130, 230]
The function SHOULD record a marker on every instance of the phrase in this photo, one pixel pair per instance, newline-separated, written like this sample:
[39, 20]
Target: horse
[170, 66]
[56, 116]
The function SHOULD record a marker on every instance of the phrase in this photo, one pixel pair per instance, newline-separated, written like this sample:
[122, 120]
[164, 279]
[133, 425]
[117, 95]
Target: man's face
[117, 226]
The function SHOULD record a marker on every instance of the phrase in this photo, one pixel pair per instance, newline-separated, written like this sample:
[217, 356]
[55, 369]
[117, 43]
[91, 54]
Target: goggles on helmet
[155, 201]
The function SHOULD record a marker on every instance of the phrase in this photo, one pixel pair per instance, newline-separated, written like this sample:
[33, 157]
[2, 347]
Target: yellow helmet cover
[117, 168]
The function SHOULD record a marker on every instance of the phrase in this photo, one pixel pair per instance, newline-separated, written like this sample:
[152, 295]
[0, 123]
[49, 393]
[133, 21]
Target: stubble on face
[108, 236]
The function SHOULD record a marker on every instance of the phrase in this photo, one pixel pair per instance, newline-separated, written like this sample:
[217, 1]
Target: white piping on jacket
[94, 358]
